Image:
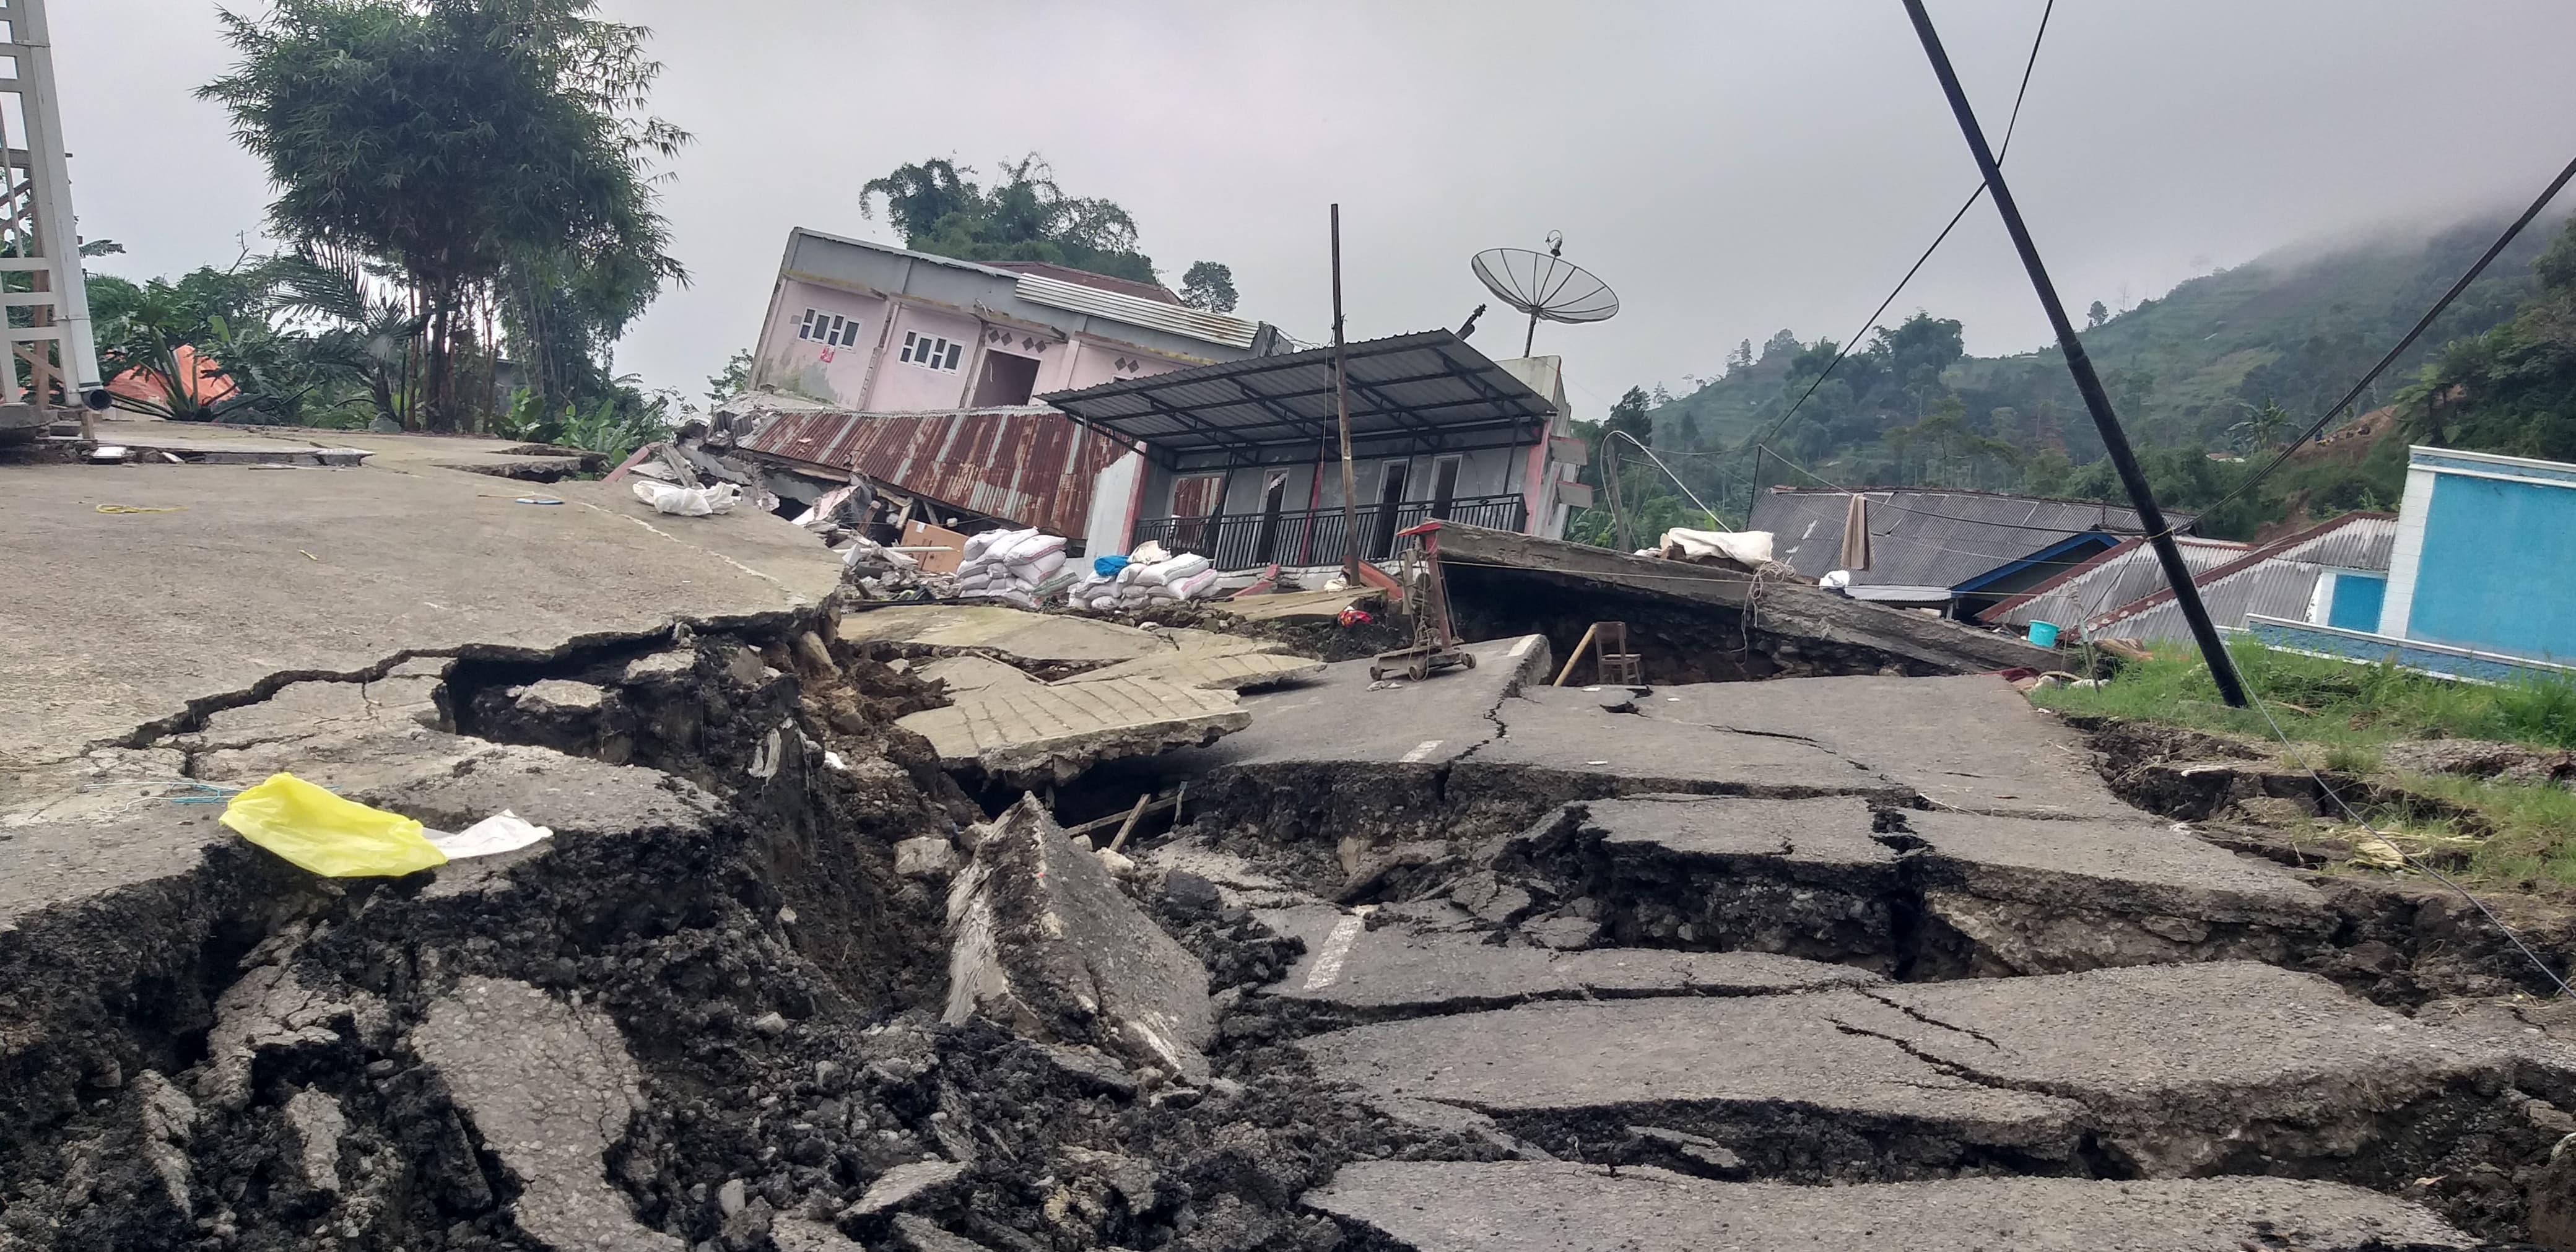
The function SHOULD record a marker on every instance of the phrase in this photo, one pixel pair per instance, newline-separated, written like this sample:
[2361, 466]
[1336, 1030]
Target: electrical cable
[1845, 350]
[2422, 324]
[2299, 759]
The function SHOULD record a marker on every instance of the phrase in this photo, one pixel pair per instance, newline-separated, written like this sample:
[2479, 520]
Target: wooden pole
[1576, 655]
[1128, 827]
[1342, 404]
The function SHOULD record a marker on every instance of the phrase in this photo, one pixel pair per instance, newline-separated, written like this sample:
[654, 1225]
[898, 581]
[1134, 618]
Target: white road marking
[1421, 750]
[1337, 949]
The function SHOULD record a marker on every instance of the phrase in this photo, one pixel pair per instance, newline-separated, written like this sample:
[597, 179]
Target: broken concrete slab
[402, 565]
[2164, 1071]
[2026, 896]
[1969, 742]
[1340, 752]
[1831, 879]
[974, 673]
[1032, 639]
[1042, 939]
[1356, 972]
[1211, 668]
[549, 1090]
[1030, 736]
[1800, 878]
[1560, 743]
[1446, 1206]
[1295, 605]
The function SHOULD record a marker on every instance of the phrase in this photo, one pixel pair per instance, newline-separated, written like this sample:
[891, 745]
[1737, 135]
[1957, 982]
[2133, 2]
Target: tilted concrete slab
[1354, 972]
[2169, 1070]
[1042, 939]
[549, 1090]
[968, 672]
[1211, 668]
[1031, 735]
[1968, 742]
[1455, 1206]
[1343, 716]
[1340, 752]
[119, 621]
[1034, 638]
[2029, 896]
[1593, 751]
[1818, 878]
[1797, 877]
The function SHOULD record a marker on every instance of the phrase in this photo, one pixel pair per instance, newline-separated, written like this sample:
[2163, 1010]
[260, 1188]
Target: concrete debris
[1043, 940]
[549, 1090]
[929, 856]
[903, 1185]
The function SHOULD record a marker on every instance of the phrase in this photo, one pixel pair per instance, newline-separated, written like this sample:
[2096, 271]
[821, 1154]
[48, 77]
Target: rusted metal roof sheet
[1030, 465]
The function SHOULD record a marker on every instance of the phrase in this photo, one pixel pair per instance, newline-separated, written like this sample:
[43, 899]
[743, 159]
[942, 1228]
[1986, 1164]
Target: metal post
[2115, 442]
[1342, 403]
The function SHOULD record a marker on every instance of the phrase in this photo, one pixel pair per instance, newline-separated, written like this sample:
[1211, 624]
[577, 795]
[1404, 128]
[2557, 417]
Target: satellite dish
[1545, 285]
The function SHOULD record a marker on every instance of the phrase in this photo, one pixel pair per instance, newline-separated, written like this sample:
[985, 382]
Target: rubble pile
[708, 1013]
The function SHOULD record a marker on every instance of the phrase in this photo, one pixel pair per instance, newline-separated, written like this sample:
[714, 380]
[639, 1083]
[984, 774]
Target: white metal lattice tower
[44, 304]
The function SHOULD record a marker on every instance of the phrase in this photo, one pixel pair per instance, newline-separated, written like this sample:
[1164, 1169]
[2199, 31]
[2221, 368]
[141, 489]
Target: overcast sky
[1730, 168]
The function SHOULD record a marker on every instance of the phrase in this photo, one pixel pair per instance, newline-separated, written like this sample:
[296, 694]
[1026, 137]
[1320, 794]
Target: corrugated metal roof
[1925, 535]
[2276, 580]
[1030, 465]
[2119, 576]
[1180, 319]
[1106, 282]
[1429, 385]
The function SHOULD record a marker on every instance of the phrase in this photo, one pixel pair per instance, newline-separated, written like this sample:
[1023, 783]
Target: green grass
[2339, 714]
[2335, 703]
[2534, 839]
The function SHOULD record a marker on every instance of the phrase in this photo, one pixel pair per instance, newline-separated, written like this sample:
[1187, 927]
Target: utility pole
[1342, 403]
[2115, 442]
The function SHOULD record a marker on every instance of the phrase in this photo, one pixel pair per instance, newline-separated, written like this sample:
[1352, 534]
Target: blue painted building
[2481, 581]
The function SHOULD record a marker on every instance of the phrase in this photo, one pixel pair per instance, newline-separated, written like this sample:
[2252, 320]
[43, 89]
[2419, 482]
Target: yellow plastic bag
[330, 836]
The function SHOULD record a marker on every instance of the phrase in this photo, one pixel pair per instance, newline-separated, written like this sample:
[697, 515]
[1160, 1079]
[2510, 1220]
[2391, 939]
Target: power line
[1846, 348]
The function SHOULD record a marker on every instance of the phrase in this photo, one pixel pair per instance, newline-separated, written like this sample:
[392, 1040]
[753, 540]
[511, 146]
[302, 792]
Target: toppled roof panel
[1030, 465]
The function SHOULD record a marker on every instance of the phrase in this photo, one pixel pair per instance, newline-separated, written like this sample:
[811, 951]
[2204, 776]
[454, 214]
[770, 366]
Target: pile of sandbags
[1136, 582]
[1011, 566]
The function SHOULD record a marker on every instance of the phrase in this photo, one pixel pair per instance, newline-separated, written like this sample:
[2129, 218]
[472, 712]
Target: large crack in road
[1571, 978]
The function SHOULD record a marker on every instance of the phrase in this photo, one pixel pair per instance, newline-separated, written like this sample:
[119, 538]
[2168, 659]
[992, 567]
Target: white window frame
[832, 329]
[932, 352]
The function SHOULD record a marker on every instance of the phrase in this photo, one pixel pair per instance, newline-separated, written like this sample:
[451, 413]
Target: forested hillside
[2230, 364]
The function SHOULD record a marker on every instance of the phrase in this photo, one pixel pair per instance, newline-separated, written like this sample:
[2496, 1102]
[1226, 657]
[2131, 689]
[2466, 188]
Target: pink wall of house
[859, 362]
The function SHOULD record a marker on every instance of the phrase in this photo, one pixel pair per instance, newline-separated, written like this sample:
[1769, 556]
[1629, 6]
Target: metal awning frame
[1289, 437]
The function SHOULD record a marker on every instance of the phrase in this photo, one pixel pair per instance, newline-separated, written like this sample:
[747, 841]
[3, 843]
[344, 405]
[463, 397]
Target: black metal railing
[1234, 541]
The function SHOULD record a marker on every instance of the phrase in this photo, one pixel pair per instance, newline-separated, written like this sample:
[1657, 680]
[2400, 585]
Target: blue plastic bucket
[2044, 634]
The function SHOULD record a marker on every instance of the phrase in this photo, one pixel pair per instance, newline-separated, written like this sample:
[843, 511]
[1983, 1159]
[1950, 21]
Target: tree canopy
[941, 208]
[1210, 286]
[488, 157]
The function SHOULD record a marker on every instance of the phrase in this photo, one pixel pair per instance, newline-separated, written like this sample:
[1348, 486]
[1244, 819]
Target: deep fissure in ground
[256, 1073]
